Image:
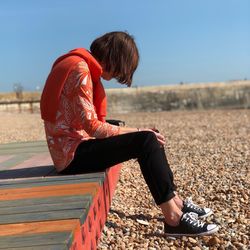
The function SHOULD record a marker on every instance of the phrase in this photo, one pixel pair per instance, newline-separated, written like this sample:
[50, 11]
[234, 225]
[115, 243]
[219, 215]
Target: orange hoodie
[73, 106]
[56, 80]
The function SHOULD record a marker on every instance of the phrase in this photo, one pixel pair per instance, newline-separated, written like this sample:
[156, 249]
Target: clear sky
[178, 40]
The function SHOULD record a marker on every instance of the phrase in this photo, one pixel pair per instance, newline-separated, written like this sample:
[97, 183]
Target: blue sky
[178, 40]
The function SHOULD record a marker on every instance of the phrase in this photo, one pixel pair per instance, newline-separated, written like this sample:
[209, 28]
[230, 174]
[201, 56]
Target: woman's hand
[159, 136]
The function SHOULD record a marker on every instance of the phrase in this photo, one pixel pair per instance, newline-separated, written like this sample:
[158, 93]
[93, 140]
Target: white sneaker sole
[214, 230]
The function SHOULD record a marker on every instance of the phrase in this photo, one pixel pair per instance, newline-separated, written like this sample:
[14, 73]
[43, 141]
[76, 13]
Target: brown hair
[118, 53]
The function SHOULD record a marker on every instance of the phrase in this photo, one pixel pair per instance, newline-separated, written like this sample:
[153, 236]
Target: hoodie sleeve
[84, 108]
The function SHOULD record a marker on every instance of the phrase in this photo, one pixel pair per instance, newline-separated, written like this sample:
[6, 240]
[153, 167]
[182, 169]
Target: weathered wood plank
[62, 238]
[40, 184]
[80, 213]
[42, 208]
[40, 171]
[4, 158]
[57, 179]
[41, 247]
[88, 190]
[41, 159]
[13, 161]
[33, 210]
[47, 188]
[46, 200]
[39, 227]
[10, 151]
[28, 144]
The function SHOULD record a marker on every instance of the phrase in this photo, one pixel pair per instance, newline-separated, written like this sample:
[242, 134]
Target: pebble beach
[209, 153]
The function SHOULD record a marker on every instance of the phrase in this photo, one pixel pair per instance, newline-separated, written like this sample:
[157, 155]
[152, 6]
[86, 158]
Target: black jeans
[99, 154]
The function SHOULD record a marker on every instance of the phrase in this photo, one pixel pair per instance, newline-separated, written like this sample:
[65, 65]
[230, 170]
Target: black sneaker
[189, 206]
[190, 226]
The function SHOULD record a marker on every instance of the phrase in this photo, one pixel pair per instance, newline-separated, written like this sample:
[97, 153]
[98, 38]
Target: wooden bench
[40, 209]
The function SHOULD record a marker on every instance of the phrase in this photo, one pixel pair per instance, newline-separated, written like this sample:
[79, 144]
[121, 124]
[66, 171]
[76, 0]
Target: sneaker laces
[189, 203]
[192, 218]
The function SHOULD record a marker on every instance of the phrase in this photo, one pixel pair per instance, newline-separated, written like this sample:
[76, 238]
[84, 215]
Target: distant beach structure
[232, 94]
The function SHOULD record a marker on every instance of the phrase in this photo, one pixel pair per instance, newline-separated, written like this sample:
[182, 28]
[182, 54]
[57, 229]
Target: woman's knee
[149, 139]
